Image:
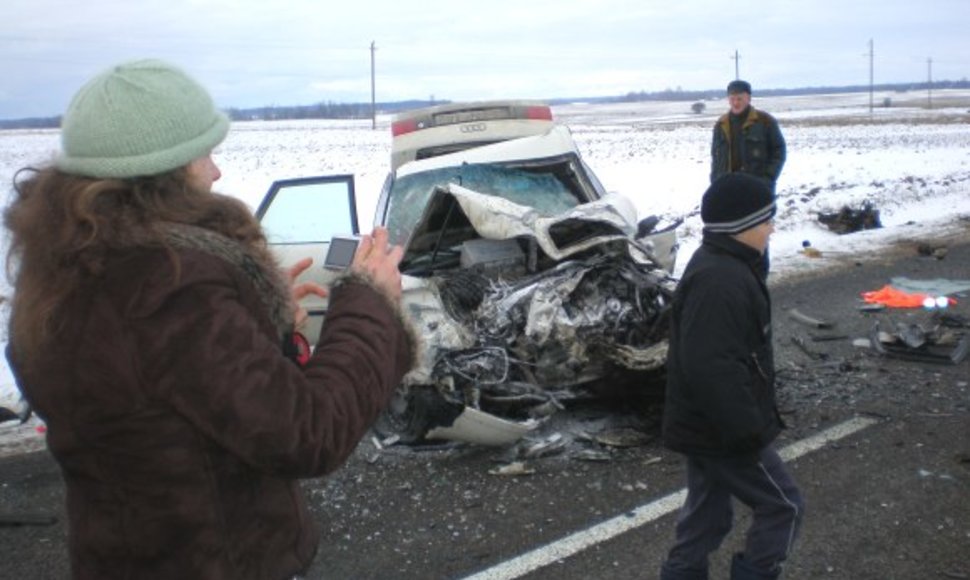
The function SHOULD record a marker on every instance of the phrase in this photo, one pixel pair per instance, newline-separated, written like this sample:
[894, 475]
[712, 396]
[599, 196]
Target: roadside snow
[911, 163]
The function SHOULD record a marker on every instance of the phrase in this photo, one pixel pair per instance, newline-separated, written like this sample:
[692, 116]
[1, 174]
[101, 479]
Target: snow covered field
[910, 161]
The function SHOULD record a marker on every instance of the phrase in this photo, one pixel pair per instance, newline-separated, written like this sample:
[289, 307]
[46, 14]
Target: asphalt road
[889, 501]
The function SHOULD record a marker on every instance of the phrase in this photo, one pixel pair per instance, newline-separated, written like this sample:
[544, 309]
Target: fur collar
[267, 277]
[257, 264]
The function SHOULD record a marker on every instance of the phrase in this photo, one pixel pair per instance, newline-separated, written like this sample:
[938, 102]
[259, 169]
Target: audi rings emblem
[474, 128]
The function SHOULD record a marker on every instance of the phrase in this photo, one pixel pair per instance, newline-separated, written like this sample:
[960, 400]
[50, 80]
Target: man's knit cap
[736, 202]
[138, 118]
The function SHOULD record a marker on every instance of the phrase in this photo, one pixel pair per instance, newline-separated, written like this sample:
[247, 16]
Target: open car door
[300, 217]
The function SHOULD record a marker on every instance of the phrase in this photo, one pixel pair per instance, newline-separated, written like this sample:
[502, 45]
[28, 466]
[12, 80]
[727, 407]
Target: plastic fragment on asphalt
[798, 316]
[475, 426]
[551, 445]
[512, 469]
[382, 444]
[624, 437]
[592, 455]
[934, 287]
[828, 337]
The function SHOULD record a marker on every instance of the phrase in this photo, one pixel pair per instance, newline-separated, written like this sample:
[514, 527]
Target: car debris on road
[909, 341]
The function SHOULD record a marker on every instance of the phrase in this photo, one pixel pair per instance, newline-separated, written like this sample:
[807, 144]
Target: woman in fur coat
[153, 332]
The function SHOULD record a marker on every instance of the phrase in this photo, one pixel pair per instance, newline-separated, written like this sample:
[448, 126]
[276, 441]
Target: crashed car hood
[607, 223]
[613, 217]
[507, 330]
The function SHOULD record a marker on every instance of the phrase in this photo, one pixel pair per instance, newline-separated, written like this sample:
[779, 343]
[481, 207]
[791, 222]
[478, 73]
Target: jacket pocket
[755, 150]
[763, 380]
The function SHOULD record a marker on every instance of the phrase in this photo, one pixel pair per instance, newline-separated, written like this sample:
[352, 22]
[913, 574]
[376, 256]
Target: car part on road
[807, 320]
[848, 220]
[800, 343]
[474, 426]
[912, 342]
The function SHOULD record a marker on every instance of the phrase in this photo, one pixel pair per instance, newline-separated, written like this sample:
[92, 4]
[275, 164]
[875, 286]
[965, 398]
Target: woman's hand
[379, 260]
[302, 290]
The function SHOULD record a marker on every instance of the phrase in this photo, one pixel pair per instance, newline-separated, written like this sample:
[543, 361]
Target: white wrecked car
[528, 283]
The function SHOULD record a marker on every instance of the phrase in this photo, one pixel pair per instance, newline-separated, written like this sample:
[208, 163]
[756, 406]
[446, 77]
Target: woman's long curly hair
[64, 227]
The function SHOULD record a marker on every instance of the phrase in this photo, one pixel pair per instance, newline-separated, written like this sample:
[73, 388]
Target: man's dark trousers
[759, 481]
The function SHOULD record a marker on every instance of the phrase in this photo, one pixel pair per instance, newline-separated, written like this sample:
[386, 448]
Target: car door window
[309, 210]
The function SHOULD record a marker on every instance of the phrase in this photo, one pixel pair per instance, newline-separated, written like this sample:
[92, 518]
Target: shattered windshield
[543, 191]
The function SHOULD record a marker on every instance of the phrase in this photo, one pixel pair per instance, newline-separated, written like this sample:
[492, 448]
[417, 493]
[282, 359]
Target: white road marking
[579, 541]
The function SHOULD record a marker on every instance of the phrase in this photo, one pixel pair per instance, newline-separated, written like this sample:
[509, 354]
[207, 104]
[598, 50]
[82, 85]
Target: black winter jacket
[720, 372]
[762, 148]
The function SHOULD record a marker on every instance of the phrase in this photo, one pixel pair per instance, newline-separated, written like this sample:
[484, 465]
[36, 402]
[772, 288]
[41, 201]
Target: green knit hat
[139, 118]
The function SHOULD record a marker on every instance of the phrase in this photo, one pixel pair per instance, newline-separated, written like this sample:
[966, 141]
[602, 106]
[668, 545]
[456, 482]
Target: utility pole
[871, 58]
[929, 83]
[373, 93]
[737, 59]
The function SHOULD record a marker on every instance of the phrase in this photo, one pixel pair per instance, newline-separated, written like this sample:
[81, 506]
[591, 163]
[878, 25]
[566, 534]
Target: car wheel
[411, 415]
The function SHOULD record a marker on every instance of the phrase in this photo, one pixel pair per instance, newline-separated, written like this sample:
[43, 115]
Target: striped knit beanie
[138, 118]
[736, 202]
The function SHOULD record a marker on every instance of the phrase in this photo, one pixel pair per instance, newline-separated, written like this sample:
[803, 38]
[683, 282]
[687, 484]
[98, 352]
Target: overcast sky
[293, 52]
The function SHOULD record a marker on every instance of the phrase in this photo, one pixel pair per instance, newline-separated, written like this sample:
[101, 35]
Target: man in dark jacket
[746, 140]
[720, 406]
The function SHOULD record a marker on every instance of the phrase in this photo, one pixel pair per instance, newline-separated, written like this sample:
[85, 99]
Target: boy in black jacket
[720, 407]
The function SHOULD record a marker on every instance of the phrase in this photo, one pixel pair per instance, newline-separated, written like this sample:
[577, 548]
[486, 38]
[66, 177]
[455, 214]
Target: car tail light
[403, 127]
[539, 113]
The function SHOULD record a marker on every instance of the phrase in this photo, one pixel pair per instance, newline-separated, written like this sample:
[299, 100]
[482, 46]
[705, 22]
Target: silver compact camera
[341, 252]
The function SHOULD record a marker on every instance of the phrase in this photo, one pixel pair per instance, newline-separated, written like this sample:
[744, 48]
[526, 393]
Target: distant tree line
[331, 110]
[31, 123]
[681, 95]
[328, 110]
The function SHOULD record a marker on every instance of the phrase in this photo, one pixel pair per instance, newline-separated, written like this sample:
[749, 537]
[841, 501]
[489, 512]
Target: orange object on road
[895, 298]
